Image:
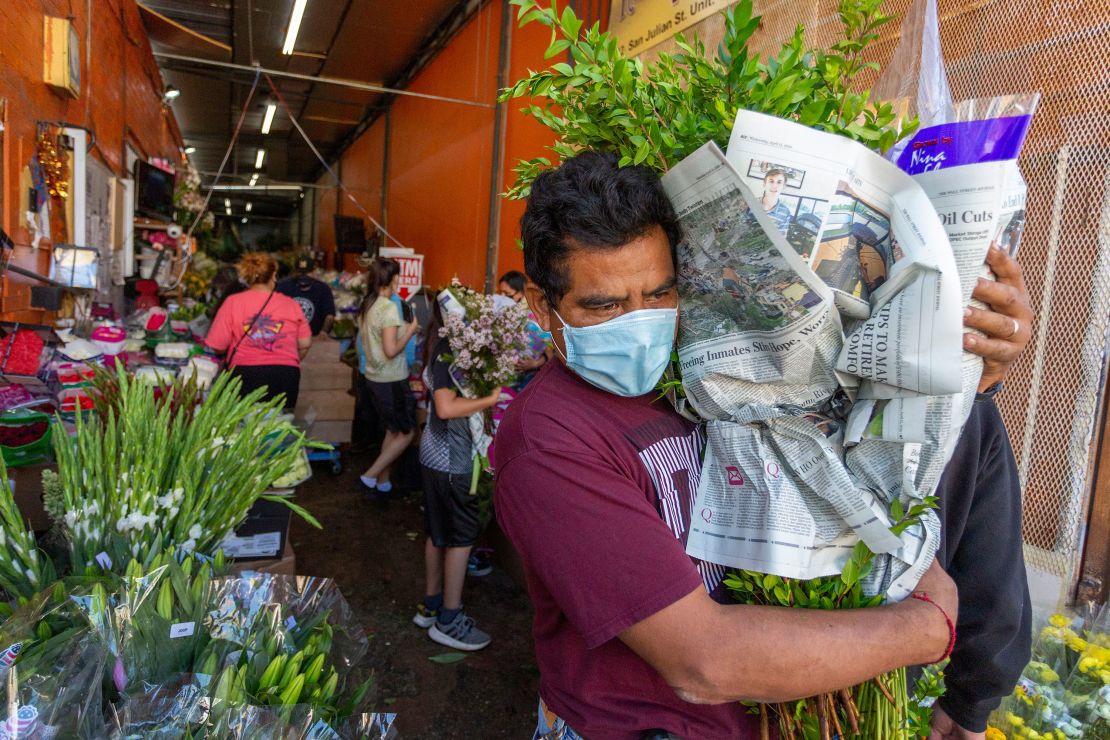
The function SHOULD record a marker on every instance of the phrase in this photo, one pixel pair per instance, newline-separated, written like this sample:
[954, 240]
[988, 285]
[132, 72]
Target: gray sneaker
[460, 634]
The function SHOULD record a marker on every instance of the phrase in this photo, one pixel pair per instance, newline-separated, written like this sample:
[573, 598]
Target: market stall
[158, 596]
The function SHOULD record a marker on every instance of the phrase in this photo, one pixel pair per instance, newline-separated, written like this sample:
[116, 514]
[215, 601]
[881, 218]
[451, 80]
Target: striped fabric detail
[674, 465]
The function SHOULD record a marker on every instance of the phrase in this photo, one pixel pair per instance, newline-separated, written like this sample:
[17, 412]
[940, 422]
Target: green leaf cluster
[656, 114]
[843, 591]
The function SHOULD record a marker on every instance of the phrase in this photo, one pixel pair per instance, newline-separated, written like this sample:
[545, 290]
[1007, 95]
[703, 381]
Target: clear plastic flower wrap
[186, 706]
[51, 668]
[285, 640]
[241, 605]
[159, 620]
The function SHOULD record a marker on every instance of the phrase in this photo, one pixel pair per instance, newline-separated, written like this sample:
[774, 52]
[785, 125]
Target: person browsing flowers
[384, 335]
[451, 513]
[262, 334]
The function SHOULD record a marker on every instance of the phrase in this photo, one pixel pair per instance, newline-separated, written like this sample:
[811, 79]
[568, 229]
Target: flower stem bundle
[24, 569]
[153, 472]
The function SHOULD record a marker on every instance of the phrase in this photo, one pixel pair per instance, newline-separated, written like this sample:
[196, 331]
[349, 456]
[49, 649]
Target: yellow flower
[1078, 644]
[993, 733]
[1048, 675]
[1059, 620]
[1014, 720]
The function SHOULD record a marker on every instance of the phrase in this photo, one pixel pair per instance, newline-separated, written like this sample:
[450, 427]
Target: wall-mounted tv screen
[350, 234]
[154, 189]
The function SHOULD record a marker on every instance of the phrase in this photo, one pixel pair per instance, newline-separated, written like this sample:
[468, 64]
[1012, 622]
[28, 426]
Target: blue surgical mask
[626, 355]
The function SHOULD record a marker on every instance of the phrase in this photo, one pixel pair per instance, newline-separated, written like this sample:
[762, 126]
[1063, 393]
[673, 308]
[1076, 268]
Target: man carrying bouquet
[595, 483]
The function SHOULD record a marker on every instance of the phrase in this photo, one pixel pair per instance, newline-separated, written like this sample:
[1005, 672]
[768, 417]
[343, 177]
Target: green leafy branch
[657, 114]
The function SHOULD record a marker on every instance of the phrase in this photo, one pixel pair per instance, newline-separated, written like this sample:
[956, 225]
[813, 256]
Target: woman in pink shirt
[263, 333]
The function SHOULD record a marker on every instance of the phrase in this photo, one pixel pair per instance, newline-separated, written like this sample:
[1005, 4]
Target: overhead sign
[641, 24]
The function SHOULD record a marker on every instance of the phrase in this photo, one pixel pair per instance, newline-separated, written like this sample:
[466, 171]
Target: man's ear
[537, 301]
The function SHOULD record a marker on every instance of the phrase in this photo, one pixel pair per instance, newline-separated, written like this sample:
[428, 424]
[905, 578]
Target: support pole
[498, 156]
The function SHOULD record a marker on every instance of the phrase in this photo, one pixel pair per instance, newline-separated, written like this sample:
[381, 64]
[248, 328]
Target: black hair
[431, 332]
[589, 202]
[380, 273]
[514, 279]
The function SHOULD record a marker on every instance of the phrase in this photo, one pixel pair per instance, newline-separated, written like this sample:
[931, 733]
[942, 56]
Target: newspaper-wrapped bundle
[822, 343]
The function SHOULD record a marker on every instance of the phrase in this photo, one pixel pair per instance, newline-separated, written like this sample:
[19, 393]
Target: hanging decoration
[52, 161]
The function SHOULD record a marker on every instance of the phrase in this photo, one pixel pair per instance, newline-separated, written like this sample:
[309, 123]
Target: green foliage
[656, 114]
[929, 688]
[843, 591]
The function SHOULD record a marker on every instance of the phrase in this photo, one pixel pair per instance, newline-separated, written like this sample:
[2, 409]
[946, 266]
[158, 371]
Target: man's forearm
[803, 652]
[777, 654]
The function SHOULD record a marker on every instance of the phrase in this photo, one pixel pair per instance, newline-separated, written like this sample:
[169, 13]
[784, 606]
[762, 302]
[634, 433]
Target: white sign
[182, 629]
[265, 545]
[411, 277]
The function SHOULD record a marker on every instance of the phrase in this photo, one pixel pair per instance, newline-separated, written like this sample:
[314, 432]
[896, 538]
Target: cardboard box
[286, 566]
[26, 483]
[262, 535]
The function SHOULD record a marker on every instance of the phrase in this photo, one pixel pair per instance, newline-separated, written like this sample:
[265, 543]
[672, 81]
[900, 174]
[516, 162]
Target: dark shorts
[394, 405]
[276, 379]
[450, 511]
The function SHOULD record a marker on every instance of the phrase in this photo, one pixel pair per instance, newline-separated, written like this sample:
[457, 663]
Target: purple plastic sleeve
[967, 142]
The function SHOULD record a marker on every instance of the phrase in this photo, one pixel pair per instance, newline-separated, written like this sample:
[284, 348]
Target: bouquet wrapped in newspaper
[821, 296]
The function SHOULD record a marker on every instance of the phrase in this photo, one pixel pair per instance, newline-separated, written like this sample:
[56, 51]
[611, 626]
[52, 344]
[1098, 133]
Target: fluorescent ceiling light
[250, 206]
[227, 202]
[227, 210]
[254, 179]
[258, 158]
[244, 219]
[294, 26]
[268, 119]
[190, 149]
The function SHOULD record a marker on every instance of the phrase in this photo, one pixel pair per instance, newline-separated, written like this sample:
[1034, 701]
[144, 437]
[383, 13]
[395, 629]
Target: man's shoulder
[559, 412]
[545, 413]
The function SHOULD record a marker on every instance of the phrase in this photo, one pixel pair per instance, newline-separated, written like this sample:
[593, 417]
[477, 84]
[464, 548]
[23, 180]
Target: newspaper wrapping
[797, 334]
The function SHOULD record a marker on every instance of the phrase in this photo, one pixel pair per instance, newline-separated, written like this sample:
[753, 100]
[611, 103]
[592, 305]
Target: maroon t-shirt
[595, 491]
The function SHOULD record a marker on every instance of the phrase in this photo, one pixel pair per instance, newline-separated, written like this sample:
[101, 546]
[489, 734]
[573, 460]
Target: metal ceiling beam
[213, 74]
[338, 81]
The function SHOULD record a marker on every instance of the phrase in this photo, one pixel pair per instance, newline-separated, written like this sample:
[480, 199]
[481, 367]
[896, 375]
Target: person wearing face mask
[511, 285]
[596, 478]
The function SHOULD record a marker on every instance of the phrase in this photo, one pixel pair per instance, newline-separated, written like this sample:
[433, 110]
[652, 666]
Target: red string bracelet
[924, 596]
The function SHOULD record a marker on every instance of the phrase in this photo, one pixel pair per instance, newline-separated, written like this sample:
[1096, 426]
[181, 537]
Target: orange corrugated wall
[441, 157]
